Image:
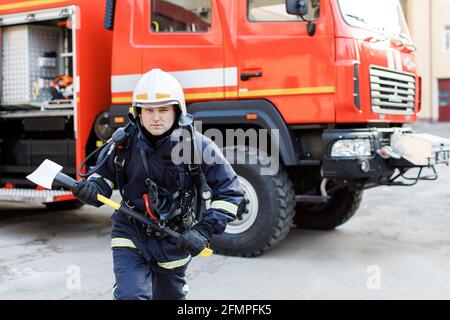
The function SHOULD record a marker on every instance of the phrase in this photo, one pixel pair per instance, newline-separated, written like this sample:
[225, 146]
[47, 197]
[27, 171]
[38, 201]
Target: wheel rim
[251, 210]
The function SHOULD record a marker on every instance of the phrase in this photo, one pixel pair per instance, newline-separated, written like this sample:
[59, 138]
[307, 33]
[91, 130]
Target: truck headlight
[351, 148]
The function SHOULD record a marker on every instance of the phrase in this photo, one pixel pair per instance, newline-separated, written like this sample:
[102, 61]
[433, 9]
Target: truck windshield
[385, 16]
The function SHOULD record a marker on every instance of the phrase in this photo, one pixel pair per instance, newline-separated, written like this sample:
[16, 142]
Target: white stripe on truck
[191, 79]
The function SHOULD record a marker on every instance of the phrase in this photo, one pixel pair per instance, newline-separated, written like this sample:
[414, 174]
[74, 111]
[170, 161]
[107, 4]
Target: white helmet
[157, 89]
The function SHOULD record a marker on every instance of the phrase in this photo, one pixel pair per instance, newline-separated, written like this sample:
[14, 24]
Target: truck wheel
[64, 205]
[342, 206]
[268, 212]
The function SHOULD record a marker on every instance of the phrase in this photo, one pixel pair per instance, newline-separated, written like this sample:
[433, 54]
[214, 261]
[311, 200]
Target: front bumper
[407, 150]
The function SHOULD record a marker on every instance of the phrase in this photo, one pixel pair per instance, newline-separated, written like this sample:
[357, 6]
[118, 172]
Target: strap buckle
[155, 233]
[119, 162]
[194, 169]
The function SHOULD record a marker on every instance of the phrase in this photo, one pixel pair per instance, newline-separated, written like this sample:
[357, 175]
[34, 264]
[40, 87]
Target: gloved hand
[193, 241]
[86, 191]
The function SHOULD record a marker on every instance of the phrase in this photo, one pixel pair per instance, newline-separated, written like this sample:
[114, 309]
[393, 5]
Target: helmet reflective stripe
[174, 264]
[225, 205]
[122, 243]
[156, 89]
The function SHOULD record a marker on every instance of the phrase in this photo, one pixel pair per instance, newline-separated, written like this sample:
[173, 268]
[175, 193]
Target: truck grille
[392, 92]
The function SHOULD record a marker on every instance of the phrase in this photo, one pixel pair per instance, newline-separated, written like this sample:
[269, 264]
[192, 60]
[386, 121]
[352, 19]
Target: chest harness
[186, 204]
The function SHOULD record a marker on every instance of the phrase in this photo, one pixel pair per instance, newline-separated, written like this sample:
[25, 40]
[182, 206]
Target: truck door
[279, 61]
[185, 39]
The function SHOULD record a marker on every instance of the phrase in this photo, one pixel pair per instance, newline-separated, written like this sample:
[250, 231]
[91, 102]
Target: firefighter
[148, 265]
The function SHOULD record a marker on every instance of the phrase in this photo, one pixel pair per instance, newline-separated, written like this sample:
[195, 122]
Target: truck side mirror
[301, 8]
[297, 7]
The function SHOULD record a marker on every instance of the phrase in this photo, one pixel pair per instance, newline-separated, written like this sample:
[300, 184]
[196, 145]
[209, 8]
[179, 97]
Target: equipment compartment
[36, 66]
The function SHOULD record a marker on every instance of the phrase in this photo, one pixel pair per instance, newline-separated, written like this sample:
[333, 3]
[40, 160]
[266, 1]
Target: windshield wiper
[403, 42]
[361, 19]
[404, 36]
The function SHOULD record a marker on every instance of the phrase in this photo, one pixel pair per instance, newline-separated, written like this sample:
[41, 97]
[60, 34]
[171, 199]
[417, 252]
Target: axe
[49, 173]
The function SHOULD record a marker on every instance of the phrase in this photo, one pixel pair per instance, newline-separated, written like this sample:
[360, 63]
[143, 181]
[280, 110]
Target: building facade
[429, 24]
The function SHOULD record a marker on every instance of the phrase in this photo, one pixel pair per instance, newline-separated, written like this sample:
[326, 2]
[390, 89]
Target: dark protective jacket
[221, 178]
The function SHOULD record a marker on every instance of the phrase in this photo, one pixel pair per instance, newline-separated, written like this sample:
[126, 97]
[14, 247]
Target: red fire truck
[335, 79]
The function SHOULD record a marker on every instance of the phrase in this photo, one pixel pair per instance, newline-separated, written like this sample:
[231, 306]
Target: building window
[275, 10]
[447, 38]
[444, 98]
[181, 15]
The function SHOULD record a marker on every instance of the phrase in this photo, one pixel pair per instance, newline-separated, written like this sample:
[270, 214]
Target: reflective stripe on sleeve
[114, 292]
[186, 288]
[225, 205]
[108, 182]
[122, 243]
[174, 264]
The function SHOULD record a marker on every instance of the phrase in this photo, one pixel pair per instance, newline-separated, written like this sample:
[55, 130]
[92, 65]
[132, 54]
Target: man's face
[159, 120]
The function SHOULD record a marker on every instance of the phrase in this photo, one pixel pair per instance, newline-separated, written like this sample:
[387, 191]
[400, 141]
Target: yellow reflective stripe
[188, 96]
[225, 205]
[174, 264]
[206, 95]
[287, 91]
[24, 4]
[231, 94]
[127, 97]
[122, 243]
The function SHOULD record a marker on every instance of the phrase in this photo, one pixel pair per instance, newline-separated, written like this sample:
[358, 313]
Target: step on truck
[333, 82]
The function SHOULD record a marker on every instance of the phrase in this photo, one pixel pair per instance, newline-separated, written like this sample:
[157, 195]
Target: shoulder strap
[122, 156]
[145, 163]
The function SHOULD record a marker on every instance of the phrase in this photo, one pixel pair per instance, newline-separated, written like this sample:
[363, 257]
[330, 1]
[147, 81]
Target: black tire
[342, 206]
[273, 217]
[64, 205]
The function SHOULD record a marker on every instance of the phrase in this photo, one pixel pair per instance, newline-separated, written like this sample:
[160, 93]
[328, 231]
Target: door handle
[247, 76]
